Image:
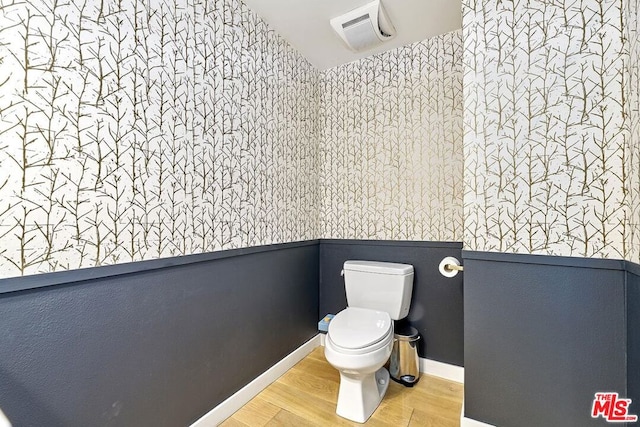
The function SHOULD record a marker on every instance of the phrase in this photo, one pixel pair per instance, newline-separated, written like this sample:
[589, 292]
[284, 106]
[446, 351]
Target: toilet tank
[383, 286]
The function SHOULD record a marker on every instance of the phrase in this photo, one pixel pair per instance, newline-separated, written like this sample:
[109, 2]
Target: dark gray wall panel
[436, 306]
[153, 348]
[541, 339]
[633, 336]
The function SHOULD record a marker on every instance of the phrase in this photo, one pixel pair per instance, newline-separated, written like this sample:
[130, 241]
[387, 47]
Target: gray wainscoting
[154, 343]
[436, 306]
[542, 335]
[633, 336]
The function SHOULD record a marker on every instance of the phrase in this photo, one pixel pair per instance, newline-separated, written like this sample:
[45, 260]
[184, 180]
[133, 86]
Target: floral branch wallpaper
[632, 105]
[149, 128]
[391, 153]
[546, 131]
[155, 128]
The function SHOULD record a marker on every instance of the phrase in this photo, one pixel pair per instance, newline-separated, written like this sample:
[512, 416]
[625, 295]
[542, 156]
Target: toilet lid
[355, 328]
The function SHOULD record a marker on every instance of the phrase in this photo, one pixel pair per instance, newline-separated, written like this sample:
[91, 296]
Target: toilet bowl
[358, 344]
[360, 338]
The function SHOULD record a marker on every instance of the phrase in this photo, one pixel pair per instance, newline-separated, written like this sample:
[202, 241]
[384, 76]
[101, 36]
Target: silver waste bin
[404, 363]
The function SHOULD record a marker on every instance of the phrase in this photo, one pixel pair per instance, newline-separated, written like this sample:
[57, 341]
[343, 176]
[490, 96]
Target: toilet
[360, 338]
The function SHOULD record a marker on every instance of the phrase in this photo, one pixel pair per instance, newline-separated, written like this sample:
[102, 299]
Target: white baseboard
[248, 392]
[470, 422]
[442, 370]
[4, 422]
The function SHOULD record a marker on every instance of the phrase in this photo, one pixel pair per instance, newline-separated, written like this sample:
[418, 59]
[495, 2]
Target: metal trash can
[404, 363]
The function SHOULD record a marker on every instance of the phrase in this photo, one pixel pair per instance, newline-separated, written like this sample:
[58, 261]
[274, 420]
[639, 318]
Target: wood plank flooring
[306, 396]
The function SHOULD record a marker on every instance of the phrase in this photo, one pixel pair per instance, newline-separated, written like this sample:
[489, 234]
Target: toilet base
[360, 394]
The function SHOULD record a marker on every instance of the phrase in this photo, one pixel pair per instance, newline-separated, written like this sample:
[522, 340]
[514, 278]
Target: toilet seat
[360, 330]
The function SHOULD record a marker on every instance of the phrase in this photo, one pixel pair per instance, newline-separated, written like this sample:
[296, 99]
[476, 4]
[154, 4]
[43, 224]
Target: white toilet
[360, 337]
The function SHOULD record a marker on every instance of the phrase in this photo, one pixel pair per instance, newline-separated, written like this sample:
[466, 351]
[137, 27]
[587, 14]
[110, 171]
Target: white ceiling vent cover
[364, 27]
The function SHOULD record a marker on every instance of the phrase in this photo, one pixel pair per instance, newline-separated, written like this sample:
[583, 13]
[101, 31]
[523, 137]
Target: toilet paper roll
[445, 261]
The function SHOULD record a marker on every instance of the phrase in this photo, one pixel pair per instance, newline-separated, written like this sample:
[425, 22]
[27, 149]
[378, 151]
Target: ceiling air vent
[364, 27]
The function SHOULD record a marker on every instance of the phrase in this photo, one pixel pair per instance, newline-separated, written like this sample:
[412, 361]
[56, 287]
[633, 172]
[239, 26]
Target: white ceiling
[305, 24]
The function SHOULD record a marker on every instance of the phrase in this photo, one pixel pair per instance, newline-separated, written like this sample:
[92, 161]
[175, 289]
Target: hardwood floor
[306, 396]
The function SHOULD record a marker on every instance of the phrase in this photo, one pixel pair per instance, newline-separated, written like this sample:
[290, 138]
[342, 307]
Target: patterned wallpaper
[152, 128]
[544, 127]
[632, 85]
[149, 128]
[391, 153]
